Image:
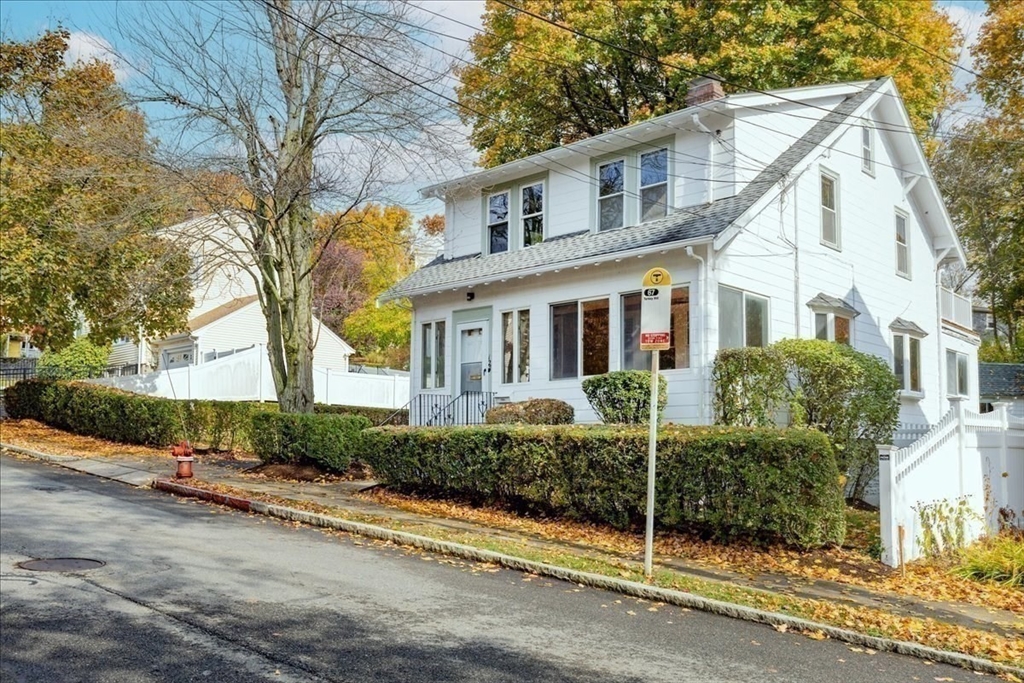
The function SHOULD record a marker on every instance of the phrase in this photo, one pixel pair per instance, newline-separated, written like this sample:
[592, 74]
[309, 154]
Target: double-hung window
[432, 340]
[653, 185]
[867, 149]
[497, 222]
[515, 340]
[579, 338]
[902, 245]
[906, 363]
[829, 210]
[742, 319]
[956, 373]
[532, 214]
[675, 357]
[611, 201]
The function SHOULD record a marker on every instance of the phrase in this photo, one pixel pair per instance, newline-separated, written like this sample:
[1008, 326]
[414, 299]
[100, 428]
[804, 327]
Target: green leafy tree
[534, 86]
[80, 359]
[80, 204]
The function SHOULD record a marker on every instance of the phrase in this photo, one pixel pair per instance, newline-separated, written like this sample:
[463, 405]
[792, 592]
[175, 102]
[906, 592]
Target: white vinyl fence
[245, 376]
[953, 484]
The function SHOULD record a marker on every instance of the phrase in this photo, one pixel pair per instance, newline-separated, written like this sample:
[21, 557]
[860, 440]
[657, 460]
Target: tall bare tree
[313, 105]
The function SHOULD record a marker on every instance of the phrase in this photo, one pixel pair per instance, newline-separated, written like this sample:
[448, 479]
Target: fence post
[1004, 465]
[259, 373]
[958, 406]
[887, 505]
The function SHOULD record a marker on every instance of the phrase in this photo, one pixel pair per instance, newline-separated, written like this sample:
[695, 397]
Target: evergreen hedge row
[330, 441]
[115, 415]
[758, 484]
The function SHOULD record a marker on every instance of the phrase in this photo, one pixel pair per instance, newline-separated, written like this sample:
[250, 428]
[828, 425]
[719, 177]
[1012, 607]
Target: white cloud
[88, 46]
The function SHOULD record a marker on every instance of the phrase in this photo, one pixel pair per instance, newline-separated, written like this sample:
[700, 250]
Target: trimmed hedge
[535, 411]
[374, 415]
[624, 396]
[764, 485]
[331, 441]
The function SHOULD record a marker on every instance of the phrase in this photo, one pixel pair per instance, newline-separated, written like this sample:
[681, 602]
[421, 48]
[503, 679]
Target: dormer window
[497, 222]
[533, 214]
[653, 185]
[611, 196]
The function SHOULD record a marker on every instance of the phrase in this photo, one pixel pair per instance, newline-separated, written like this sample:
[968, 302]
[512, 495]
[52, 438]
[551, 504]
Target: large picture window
[497, 222]
[515, 336]
[579, 339]
[673, 358]
[611, 202]
[532, 213]
[653, 185]
[432, 354]
[742, 319]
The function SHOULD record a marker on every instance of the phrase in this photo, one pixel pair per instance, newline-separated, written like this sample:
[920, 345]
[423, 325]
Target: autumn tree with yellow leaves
[534, 85]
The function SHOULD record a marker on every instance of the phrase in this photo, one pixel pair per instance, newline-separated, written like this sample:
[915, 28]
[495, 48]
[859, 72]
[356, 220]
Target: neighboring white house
[226, 315]
[808, 212]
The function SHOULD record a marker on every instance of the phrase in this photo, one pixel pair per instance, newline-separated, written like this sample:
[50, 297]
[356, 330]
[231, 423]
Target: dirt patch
[308, 472]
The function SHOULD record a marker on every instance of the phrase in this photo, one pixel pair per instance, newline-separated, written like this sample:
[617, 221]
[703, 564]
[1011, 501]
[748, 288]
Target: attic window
[497, 222]
[902, 246]
[867, 148]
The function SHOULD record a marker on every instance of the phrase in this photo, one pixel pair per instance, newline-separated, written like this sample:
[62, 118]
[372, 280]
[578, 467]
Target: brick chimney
[703, 90]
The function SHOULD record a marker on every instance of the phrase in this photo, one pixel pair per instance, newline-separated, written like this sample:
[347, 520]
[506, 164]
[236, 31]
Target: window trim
[834, 177]
[966, 377]
[640, 187]
[515, 314]
[868, 146]
[897, 214]
[579, 342]
[508, 221]
[907, 390]
[830, 324]
[622, 193]
[432, 324]
[743, 307]
[543, 213]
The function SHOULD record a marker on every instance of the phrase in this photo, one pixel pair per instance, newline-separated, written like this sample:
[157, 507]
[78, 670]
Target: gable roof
[215, 314]
[832, 303]
[1001, 380]
[908, 326]
[691, 225]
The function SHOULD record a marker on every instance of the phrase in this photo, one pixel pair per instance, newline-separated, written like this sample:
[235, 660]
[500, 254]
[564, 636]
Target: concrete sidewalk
[342, 496]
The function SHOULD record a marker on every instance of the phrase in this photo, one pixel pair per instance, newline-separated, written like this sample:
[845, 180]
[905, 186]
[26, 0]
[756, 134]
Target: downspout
[709, 184]
[702, 368]
[938, 327]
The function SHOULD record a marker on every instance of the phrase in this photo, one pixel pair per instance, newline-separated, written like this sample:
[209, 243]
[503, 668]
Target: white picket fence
[245, 376]
[968, 469]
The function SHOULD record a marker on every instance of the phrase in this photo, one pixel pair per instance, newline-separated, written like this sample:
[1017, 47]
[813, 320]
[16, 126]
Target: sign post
[655, 336]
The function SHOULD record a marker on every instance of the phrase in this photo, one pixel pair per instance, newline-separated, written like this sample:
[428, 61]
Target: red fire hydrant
[184, 455]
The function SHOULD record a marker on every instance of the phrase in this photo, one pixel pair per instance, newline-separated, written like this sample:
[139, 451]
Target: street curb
[630, 588]
[57, 459]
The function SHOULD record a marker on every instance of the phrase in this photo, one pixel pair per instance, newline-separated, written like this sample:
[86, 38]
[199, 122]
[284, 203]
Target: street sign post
[655, 336]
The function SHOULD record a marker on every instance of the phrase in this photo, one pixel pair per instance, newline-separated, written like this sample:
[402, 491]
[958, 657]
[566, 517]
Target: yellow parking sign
[656, 311]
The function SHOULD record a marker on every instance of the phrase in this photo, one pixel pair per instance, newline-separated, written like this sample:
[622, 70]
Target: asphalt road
[193, 592]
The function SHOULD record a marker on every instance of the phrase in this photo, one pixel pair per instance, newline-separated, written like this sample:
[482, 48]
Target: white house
[807, 212]
[226, 315]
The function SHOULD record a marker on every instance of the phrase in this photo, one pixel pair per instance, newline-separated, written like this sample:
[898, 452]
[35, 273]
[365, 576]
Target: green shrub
[120, 416]
[375, 415]
[758, 484]
[535, 411]
[624, 396]
[81, 359]
[749, 385]
[330, 441]
[995, 560]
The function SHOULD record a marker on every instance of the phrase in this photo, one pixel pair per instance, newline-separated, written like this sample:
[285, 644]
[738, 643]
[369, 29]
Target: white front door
[474, 361]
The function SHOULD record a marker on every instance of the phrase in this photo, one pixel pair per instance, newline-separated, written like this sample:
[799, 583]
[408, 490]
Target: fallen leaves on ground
[926, 580]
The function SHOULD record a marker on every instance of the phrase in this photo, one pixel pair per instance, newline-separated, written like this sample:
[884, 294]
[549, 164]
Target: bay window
[906, 364]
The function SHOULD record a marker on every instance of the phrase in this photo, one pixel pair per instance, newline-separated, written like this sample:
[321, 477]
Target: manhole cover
[61, 564]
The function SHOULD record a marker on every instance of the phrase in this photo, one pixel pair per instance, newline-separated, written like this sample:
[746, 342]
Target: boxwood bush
[374, 415]
[535, 411]
[726, 483]
[624, 396]
[330, 441]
